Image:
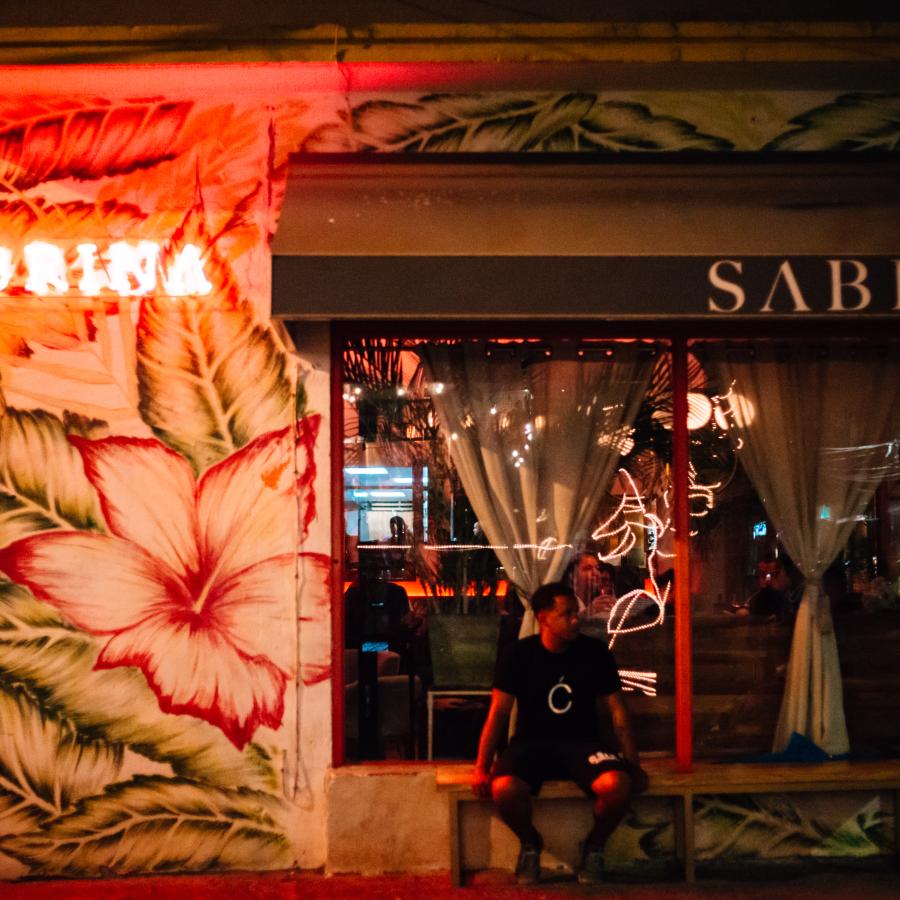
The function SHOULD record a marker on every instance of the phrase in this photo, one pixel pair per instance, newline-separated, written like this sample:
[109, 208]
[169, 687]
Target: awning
[507, 238]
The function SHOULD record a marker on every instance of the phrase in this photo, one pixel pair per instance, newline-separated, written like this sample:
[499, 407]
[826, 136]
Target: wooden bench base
[682, 787]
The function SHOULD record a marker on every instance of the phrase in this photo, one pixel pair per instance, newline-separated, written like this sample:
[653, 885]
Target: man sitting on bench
[560, 680]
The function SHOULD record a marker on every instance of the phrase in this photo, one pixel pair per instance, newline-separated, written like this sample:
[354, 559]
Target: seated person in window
[779, 588]
[594, 585]
[376, 610]
[395, 559]
[834, 584]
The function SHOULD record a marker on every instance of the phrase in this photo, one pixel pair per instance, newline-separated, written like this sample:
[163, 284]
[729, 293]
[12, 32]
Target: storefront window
[796, 471]
[474, 471]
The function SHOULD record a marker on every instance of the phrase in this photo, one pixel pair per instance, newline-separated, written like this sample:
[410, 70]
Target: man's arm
[615, 702]
[495, 727]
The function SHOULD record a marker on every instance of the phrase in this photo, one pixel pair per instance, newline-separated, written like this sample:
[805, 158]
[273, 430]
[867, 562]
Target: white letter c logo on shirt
[551, 701]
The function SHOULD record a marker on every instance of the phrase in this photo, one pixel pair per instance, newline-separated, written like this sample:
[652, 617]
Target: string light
[734, 406]
[632, 502]
[550, 544]
[645, 682]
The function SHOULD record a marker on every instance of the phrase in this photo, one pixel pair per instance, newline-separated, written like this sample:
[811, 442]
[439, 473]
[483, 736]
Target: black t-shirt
[557, 692]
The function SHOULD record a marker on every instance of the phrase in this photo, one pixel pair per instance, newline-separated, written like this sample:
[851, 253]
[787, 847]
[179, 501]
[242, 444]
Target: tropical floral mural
[611, 122]
[157, 490]
[164, 600]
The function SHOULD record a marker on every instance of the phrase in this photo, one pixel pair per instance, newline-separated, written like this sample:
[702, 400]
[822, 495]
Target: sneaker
[590, 869]
[528, 868]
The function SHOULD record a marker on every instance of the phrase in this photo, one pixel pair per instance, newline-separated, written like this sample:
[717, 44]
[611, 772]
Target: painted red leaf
[306, 434]
[195, 230]
[47, 142]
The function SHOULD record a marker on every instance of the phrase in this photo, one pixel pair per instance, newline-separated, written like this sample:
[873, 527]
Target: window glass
[474, 471]
[864, 585]
[794, 474]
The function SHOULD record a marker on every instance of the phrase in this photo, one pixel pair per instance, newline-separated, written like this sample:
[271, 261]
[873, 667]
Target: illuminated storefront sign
[615, 287]
[848, 290]
[128, 269]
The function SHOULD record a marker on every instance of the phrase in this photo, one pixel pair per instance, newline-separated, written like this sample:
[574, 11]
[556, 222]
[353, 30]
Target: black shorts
[536, 761]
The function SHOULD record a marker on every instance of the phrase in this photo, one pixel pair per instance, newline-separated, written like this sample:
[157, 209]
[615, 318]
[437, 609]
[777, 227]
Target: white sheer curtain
[816, 428]
[535, 443]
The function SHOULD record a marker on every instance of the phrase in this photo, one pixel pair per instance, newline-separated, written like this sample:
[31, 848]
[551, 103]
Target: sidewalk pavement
[875, 881]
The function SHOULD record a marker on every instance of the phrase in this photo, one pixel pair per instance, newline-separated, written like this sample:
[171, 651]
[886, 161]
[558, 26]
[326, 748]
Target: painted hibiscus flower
[195, 583]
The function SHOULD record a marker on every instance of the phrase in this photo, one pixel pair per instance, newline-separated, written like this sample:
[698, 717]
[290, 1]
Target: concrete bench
[705, 779]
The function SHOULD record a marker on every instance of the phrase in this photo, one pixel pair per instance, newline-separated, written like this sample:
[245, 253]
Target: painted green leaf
[56, 662]
[745, 827]
[286, 342]
[153, 824]
[512, 123]
[864, 834]
[862, 122]
[211, 378]
[45, 765]
[85, 426]
[42, 480]
[618, 126]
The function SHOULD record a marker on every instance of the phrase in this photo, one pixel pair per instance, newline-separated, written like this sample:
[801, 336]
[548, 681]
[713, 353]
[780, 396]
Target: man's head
[556, 610]
[771, 573]
[591, 578]
[398, 528]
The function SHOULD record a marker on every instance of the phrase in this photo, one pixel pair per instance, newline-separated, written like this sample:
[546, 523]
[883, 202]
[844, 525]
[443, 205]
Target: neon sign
[126, 269]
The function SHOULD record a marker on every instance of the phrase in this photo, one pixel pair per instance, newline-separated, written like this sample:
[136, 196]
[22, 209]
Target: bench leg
[683, 811]
[897, 826]
[688, 818]
[455, 838]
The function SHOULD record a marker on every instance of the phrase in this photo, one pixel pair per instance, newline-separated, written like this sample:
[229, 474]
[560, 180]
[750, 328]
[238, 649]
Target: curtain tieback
[820, 605]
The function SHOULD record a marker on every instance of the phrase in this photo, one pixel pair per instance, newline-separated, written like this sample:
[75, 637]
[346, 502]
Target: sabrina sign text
[848, 287]
[124, 268]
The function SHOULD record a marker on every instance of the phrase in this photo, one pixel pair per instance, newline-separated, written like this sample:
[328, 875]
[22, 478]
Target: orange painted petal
[99, 583]
[194, 670]
[315, 617]
[147, 496]
[256, 610]
[246, 505]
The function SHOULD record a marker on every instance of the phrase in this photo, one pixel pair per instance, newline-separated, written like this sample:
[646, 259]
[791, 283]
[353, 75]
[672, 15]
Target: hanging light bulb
[742, 410]
[699, 410]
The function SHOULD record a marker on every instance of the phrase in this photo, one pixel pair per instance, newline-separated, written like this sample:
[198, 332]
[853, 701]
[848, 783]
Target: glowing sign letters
[846, 282]
[126, 269]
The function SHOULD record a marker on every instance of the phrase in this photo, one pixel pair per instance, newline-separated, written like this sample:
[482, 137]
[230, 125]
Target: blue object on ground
[800, 749]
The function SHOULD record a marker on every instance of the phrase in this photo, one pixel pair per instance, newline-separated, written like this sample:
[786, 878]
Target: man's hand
[481, 783]
[496, 725]
[639, 779]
